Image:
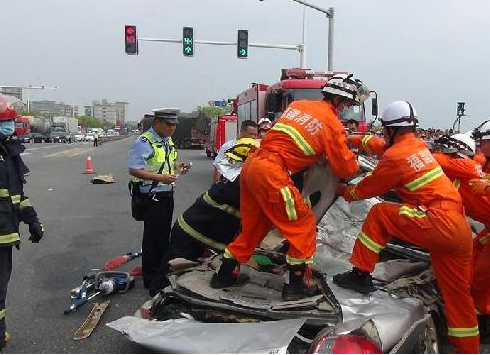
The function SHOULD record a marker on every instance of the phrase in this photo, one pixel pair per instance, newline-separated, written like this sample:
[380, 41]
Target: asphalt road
[85, 225]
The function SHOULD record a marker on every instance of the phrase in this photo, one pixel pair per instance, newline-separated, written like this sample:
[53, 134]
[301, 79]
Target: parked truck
[192, 131]
[63, 129]
[32, 129]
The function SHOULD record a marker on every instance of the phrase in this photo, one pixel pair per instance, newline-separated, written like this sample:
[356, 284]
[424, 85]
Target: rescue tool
[120, 260]
[99, 282]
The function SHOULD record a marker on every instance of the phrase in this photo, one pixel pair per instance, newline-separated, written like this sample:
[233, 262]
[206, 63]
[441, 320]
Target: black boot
[298, 286]
[484, 328]
[228, 275]
[356, 280]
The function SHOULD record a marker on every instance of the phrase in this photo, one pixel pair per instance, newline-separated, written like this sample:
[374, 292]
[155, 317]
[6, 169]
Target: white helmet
[482, 131]
[464, 143]
[347, 86]
[399, 114]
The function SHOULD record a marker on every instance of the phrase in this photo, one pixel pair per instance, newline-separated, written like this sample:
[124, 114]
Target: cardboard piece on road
[91, 322]
[103, 179]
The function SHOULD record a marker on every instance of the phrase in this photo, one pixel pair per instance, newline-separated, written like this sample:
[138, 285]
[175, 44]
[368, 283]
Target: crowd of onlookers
[433, 133]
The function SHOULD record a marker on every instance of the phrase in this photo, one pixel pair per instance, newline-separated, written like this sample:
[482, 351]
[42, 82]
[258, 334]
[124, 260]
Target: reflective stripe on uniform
[159, 158]
[221, 206]
[9, 238]
[4, 193]
[2, 314]
[287, 196]
[365, 141]
[15, 199]
[199, 236]
[308, 200]
[457, 183]
[424, 179]
[369, 243]
[462, 332]
[25, 203]
[294, 261]
[412, 212]
[483, 239]
[227, 254]
[352, 194]
[296, 136]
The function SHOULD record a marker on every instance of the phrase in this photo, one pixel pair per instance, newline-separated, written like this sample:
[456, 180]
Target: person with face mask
[307, 132]
[14, 204]
[431, 216]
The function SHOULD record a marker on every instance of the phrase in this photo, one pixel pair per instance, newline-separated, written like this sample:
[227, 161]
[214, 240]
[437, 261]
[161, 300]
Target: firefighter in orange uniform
[367, 144]
[306, 132]
[482, 135]
[431, 216]
[481, 246]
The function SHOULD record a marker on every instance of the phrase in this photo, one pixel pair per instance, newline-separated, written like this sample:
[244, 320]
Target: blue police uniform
[149, 152]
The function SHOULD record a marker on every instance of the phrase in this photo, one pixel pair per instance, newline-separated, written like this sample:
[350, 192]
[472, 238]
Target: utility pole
[329, 13]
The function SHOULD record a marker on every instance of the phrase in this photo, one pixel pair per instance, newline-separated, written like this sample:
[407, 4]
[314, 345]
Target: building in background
[15, 91]
[53, 108]
[112, 113]
[88, 110]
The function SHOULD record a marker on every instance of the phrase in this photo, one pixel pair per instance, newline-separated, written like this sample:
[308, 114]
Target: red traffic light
[131, 40]
[130, 30]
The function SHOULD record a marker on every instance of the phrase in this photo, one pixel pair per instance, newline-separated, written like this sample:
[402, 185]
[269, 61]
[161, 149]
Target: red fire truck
[222, 129]
[262, 100]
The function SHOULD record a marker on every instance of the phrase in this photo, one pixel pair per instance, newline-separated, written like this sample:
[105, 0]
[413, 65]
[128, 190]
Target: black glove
[37, 231]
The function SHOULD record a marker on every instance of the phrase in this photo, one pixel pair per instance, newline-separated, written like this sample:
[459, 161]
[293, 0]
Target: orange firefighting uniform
[367, 144]
[431, 217]
[481, 159]
[461, 171]
[306, 132]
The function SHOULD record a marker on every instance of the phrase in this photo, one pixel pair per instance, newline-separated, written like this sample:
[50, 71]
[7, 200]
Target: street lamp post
[42, 87]
[329, 13]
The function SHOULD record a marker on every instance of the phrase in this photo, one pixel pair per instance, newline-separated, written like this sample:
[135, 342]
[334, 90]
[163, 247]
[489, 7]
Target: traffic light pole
[329, 13]
[219, 43]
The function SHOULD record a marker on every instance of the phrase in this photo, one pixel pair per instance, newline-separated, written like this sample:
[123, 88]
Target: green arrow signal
[243, 52]
[188, 49]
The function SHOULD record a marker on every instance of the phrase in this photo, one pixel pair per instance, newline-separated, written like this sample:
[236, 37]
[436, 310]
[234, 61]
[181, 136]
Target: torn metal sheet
[257, 295]
[391, 316]
[187, 336]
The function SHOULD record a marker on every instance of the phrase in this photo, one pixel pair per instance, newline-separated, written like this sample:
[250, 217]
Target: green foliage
[32, 113]
[212, 112]
[91, 122]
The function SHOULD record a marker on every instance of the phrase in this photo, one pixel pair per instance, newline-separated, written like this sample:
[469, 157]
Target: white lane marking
[69, 152]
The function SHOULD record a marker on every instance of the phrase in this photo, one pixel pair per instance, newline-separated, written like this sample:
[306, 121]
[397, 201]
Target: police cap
[169, 115]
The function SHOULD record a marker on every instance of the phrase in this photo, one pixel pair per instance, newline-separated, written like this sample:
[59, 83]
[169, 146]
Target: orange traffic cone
[89, 169]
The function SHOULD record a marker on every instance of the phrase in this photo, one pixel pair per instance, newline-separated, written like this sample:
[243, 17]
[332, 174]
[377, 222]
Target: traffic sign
[224, 103]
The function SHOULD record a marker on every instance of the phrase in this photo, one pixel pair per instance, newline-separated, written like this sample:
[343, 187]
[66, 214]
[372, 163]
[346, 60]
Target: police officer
[152, 162]
[15, 206]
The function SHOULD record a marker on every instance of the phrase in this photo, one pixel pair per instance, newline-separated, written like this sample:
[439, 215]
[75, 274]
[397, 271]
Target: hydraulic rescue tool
[99, 282]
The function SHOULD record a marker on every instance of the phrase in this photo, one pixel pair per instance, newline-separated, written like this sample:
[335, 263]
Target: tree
[32, 113]
[212, 112]
[89, 121]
